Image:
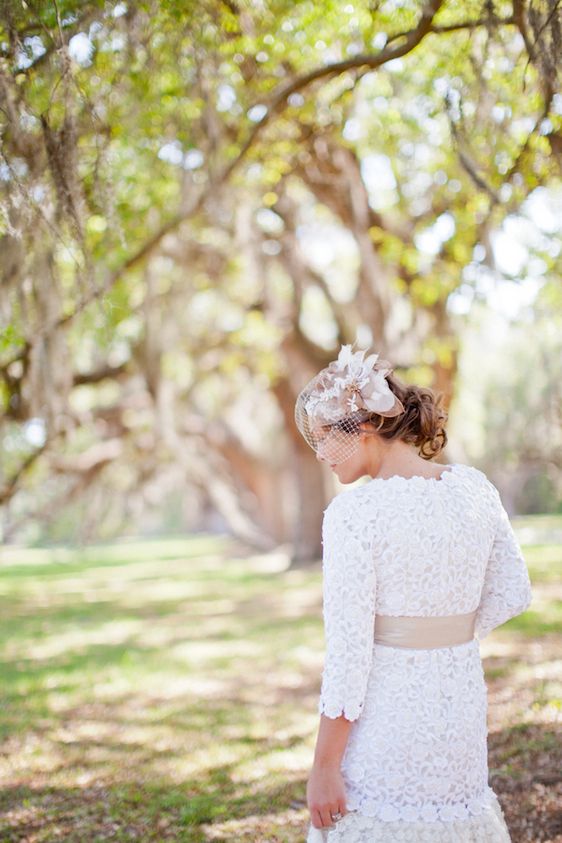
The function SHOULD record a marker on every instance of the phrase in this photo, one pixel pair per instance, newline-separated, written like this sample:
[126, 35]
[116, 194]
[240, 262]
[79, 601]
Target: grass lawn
[167, 690]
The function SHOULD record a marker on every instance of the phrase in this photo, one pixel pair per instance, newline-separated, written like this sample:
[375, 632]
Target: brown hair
[423, 422]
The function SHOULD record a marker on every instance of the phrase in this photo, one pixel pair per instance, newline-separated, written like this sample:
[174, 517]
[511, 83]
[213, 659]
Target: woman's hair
[423, 422]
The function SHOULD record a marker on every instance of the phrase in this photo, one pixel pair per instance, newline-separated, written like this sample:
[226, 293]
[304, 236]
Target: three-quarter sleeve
[506, 590]
[349, 590]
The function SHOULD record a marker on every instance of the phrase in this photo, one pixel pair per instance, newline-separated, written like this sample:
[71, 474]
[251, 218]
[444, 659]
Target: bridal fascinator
[330, 408]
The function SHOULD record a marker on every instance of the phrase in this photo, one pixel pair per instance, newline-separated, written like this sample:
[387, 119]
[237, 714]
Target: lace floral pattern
[417, 750]
[489, 827]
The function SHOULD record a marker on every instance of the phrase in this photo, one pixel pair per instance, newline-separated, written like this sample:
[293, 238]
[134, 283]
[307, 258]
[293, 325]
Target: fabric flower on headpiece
[351, 384]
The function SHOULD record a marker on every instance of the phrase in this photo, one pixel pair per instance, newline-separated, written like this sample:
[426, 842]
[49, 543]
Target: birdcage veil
[332, 405]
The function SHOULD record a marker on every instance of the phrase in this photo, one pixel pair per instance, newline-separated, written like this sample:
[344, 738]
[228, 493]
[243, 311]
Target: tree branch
[277, 103]
[455, 27]
[10, 487]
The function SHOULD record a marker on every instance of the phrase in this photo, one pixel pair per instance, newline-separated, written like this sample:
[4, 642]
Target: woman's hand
[325, 795]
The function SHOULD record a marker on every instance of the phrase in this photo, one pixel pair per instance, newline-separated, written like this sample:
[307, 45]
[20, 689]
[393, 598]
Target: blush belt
[424, 632]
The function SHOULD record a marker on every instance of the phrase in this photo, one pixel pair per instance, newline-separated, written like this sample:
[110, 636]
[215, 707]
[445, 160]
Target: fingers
[322, 817]
[326, 817]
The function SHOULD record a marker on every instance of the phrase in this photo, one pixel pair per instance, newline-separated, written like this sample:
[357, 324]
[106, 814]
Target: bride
[419, 564]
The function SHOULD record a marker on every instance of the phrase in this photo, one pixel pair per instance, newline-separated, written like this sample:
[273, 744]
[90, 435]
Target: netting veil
[331, 407]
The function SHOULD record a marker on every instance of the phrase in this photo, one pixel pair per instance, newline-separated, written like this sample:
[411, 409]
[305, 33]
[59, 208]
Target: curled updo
[423, 422]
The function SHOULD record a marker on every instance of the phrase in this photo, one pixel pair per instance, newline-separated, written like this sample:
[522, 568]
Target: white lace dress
[415, 766]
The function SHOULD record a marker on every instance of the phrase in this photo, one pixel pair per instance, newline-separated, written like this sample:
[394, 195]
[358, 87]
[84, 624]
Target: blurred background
[199, 203]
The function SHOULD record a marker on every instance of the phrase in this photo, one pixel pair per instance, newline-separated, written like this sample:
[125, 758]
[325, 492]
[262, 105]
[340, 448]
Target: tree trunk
[310, 492]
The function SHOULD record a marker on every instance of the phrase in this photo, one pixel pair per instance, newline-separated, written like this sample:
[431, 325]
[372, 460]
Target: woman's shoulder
[474, 480]
[387, 489]
[479, 475]
[472, 471]
[347, 500]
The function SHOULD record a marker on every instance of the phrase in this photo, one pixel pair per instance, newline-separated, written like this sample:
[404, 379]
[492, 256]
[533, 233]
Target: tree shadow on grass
[525, 765]
[135, 742]
[525, 750]
[219, 804]
[146, 810]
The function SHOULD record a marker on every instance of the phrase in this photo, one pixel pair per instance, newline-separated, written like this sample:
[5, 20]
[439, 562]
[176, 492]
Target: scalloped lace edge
[387, 812]
[487, 827]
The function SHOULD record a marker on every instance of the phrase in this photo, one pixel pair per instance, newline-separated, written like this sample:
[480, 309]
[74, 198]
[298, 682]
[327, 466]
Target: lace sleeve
[349, 587]
[506, 591]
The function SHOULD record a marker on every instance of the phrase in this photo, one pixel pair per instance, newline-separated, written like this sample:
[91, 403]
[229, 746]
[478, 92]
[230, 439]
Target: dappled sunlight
[114, 582]
[157, 590]
[202, 678]
[137, 553]
[213, 607]
[114, 632]
[525, 680]
[276, 761]
[268, 563]
[273, 827]
[199, 652]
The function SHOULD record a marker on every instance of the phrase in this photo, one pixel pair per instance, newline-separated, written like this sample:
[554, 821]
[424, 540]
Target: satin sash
[424, 632]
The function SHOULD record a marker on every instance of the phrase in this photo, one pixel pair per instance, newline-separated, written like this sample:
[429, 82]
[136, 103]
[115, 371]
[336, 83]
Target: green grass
[152, 690]
[167, 690]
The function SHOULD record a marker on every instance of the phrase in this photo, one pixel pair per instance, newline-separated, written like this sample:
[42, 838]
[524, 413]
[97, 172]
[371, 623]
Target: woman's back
[430, 541]
[416, 571]
[417, 547]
